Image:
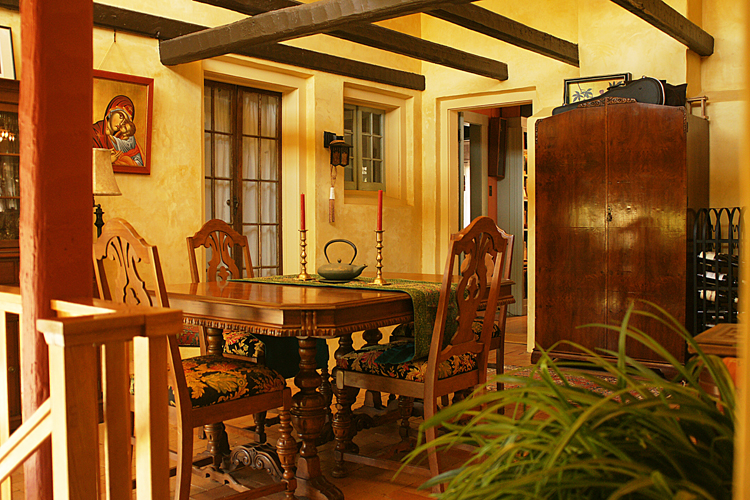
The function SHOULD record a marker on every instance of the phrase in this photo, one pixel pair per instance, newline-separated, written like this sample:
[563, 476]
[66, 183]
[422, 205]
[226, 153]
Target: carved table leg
[218, 442]
[308, 417]
[343, 427]
[373, 398]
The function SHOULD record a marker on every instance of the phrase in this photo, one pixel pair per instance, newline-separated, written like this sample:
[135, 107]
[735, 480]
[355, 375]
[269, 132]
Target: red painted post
[56, 208]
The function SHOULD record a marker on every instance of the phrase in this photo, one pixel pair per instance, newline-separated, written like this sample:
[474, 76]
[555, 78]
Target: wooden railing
[71, 416]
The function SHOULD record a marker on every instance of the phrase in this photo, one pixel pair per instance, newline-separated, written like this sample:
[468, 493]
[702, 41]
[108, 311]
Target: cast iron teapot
[339, 271]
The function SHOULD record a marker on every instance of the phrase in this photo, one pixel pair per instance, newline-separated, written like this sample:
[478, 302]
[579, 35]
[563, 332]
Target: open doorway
[492, 180]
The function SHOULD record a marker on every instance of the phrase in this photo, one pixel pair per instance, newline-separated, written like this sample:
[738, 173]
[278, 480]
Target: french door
[242, 134]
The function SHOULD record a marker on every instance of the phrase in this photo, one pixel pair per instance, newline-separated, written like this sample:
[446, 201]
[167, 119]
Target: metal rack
[715, 259]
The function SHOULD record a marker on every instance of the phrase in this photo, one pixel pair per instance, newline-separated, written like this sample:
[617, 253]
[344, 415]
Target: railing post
[75, 419]
[151, 419]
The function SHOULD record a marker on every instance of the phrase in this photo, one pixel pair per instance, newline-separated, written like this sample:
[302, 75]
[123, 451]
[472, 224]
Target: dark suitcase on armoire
[646, 90]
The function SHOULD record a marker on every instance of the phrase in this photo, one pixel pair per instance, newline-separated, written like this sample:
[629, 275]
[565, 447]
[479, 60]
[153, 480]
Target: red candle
[380, 210]
[302, 214]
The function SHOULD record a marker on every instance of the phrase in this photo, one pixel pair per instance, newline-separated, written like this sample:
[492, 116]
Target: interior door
[473, 165]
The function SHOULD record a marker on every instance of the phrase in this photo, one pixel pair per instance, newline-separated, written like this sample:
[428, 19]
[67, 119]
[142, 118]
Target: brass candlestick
[379, 246]
[303, 276]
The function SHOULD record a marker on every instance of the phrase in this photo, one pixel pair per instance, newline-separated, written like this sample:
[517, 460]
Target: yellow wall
[422, 190]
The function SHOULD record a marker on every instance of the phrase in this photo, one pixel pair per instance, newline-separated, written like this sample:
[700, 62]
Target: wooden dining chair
[222, 241]
[497, 340]
[454, 364]
[280, 353]
[204, 389]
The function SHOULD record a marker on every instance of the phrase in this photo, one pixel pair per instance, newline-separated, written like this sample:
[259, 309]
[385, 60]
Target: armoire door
[571, 253]
[646, 237]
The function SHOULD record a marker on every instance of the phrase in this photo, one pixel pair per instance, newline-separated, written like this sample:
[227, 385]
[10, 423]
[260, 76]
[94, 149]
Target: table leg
[218, 441]
[308, 416]
[373, 399]
[215, 341]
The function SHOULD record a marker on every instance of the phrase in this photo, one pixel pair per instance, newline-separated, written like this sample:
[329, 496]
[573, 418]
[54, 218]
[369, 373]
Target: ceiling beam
[286, 24]
[496, 26]
[385, 39]
[161, 28]
[671, 22]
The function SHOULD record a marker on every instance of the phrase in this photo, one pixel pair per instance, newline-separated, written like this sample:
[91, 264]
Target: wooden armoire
[617, 183]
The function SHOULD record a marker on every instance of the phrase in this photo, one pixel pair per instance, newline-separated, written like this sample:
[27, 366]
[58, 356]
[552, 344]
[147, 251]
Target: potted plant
[632, 434]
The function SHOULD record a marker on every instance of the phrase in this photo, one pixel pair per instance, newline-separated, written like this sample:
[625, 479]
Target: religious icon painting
[122, 107]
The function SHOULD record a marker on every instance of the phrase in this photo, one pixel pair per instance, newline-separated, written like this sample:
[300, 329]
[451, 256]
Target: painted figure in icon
[116, 132]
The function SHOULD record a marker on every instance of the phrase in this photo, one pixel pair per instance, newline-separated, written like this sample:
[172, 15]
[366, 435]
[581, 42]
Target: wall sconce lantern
[339, 158]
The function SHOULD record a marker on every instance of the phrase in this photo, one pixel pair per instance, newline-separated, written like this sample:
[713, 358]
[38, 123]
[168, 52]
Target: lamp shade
[339, 153]
[104, 178]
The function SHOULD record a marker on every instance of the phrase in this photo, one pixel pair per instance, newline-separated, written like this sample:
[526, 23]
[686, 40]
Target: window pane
[252, 239]
[366, 170]
[223, 200]
[349, 139]
[268, 104]
[209, 200]
[223, 159]
[207, 108]
[268, 161]
[249, 202]
[223, 112]
[268, 246]
[207, 153]
[249, 158]
[268, 202]
[249, 113]
[377, 151]
[376, 119]
[367, 146]
[348, 122]
[366, 117]
[377, 171]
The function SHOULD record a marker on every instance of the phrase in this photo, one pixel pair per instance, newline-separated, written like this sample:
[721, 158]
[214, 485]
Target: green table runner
[424, 296]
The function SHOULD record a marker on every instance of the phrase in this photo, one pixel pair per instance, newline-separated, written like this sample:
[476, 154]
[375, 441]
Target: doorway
[493, 172]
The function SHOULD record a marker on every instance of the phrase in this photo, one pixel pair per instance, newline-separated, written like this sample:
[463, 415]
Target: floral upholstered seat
[243, 344]
[365, 361]
[238, 343]
[215, 379]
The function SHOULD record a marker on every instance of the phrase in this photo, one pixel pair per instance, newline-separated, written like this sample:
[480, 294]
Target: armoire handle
[609, 214]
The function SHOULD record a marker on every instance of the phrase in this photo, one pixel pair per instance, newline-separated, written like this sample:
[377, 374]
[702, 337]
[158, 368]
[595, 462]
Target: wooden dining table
[308, 313]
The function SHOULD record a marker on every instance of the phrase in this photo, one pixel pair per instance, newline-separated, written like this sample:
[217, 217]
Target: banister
[71, 414]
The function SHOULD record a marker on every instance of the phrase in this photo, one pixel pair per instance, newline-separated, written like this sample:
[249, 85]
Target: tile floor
[364, 482]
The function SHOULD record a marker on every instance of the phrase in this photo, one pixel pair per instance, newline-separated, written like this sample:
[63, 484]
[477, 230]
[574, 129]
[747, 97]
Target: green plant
[646, 437]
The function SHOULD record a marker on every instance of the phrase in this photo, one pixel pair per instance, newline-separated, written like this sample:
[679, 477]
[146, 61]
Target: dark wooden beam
[671, 22]
[385, 39]
[286, 24]
[336, 65]
[496, 26]
[162, 28]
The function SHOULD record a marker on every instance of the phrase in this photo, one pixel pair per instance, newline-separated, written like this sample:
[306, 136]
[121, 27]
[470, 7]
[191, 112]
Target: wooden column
[56, 213]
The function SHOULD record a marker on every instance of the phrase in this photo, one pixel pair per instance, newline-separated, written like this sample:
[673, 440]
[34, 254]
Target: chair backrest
[220, 238]
[480, 243]
[136, 266]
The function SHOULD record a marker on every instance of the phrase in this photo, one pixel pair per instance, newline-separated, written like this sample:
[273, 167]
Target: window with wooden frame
[243, 168]
[364, 129]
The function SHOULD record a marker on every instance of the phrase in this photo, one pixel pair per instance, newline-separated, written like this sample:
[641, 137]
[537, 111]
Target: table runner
[424, 296]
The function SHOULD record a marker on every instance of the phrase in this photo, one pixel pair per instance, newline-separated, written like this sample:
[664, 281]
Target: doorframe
[447, 165]
[483, 121]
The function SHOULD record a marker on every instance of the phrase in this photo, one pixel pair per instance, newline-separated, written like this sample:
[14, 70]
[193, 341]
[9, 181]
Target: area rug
[574, 380]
